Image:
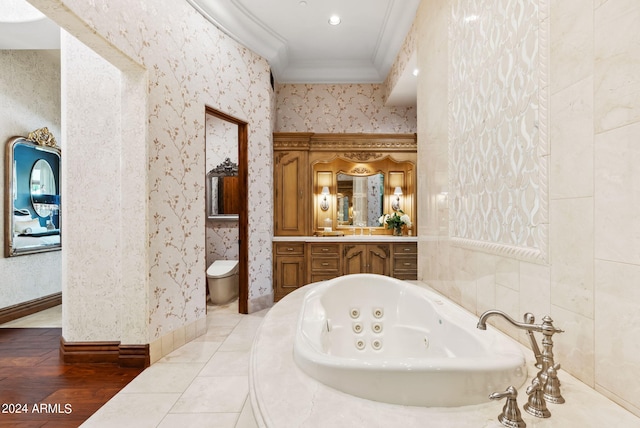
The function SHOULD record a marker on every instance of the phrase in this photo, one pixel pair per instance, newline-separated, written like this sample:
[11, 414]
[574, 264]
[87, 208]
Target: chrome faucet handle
[510, 416]
[536, 405]
[552, 387]
[529, 318]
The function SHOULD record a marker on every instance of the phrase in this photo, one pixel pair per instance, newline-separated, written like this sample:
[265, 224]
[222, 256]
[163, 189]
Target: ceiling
[302, 47]
[22, 26]
[294, 36]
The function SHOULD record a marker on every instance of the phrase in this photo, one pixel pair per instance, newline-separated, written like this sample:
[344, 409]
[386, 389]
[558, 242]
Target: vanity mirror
[360, 199]
[357, 192]
[223, 192]
[32, 194]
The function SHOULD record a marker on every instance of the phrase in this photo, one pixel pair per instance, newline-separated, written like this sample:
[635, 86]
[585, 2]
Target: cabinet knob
[407, 249]
[325, 249]
[289, 249]
[407, 264]
[325, 264]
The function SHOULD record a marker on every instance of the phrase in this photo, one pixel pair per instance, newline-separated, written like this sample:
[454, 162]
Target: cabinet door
[290, 184]
[355, 259]
[289, 275]
[378, 259]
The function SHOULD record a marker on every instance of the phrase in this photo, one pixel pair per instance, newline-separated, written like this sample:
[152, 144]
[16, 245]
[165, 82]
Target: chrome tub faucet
[544, 359]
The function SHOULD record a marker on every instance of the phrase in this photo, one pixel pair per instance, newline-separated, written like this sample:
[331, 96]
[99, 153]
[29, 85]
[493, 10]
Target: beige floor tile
[199, 420]
[49, 318]
[132, 410]
[164, 377]
[225, 394]
[233, 363]
[240, 340]
[246, 419]
[192, 352]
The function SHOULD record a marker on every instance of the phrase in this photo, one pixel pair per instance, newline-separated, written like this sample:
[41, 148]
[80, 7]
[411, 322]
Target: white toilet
[222, 281]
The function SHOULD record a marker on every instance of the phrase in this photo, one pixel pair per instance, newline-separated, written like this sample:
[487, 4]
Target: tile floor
[205, 383]
[49, 318]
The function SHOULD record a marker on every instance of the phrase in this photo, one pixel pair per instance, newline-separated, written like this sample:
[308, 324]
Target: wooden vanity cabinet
[367, 258]
[289, 268]
[291, 188]
[405, 260]
[324, 262]
[297, 263]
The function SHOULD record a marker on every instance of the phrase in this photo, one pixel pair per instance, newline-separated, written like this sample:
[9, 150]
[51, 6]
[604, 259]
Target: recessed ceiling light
[302, 3]
[334, 20]
[416, 71]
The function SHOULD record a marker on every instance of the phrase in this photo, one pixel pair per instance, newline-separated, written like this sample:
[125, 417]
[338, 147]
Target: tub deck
[283, 396]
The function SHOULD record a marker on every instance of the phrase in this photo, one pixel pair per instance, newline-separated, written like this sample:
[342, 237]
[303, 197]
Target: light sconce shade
[324, 203]
[395, 205]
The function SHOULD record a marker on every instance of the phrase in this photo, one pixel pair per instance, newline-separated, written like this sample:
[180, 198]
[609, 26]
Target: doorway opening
[240, 137]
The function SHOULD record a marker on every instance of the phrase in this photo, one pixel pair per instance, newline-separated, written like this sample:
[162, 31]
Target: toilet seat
[222, 268]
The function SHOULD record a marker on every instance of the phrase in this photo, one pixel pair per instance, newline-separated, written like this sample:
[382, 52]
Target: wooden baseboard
[20, 310]
[136, 356]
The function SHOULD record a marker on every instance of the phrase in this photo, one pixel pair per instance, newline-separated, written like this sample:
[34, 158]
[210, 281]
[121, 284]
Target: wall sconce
[324, 203]
[395, 205]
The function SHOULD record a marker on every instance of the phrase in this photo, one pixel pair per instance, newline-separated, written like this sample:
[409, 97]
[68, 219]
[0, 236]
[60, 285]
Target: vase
[397, 231]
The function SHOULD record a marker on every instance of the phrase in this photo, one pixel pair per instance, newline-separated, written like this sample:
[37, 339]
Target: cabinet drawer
[409, 248]
[406, 276]
[291, 248]
[315, 277]
[326, 249]
[325, 264]
[408, 263]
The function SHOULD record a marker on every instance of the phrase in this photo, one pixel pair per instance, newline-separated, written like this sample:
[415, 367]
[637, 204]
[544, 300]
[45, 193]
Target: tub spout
[544, 359]
[528, 326]
[482, 322]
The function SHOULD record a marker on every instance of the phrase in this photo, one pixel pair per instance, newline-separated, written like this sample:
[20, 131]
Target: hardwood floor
[48, 393]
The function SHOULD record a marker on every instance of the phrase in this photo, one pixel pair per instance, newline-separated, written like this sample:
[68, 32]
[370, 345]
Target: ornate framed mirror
[356, 193]
[223, 192]
[32, 194]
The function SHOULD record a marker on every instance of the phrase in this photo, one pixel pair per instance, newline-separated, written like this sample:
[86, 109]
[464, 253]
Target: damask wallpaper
[498, 131]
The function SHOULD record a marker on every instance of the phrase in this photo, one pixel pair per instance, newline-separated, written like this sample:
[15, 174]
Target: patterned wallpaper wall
[340, 108]
[30, 93]
[497, 118]
[190, 64]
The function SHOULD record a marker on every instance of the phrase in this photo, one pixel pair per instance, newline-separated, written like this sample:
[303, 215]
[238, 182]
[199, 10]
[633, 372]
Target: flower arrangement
[395, 221]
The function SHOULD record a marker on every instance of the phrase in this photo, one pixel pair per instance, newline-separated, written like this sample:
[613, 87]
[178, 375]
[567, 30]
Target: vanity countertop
[346, 238]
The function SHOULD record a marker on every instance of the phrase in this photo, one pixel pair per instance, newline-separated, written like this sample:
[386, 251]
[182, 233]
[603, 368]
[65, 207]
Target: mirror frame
[396, 174]
[225, 169]
[40, 140]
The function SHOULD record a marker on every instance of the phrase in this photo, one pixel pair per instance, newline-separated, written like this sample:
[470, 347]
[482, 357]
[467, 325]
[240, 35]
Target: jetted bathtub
[388, 340]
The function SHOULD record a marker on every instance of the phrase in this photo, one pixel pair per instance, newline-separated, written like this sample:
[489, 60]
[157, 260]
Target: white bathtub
[387, 340]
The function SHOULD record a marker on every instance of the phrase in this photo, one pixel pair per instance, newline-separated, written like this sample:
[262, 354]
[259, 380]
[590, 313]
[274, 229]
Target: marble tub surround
[283, 396]
[589, 283]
